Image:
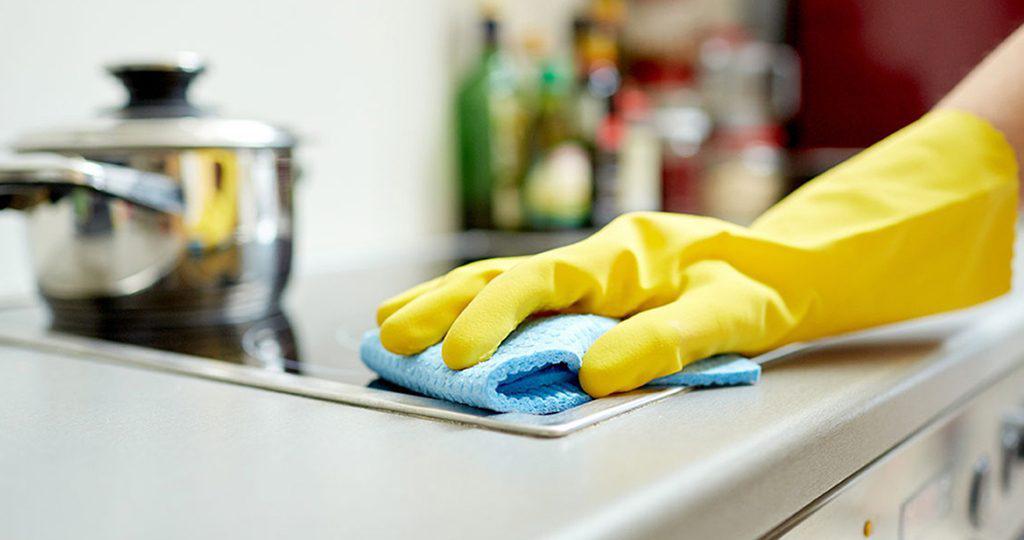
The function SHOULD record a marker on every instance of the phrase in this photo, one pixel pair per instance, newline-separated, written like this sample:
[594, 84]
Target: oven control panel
[961, 477]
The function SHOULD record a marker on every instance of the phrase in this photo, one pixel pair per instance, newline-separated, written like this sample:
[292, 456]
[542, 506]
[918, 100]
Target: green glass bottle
[490, 133]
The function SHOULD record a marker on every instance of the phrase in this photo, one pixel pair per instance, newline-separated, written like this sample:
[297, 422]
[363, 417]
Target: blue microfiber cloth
[534, 369]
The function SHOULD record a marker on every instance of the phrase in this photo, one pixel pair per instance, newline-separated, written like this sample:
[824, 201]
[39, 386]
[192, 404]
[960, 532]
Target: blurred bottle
[745, 81]
[638, 185]
[684, 127]
[598, 77]
[491, 124]
[750, 88]
[558, 182]
[596, 33]
[744, 173]
[608, 145]
[628, 172]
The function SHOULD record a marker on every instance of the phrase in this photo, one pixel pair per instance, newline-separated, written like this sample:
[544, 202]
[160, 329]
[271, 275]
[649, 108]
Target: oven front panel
[961, 477]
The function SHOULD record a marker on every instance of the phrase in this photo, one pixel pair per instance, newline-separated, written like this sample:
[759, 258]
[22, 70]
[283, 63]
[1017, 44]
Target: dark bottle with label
[558, 184]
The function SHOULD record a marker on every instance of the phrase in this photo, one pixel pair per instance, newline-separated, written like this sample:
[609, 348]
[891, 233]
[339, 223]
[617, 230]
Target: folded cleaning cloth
[534, 370]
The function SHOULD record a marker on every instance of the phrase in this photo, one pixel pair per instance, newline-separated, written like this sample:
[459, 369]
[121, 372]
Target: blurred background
[528, 123]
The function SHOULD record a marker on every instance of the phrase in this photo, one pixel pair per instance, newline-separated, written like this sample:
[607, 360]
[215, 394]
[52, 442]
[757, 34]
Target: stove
[921, 436]
[311, 348]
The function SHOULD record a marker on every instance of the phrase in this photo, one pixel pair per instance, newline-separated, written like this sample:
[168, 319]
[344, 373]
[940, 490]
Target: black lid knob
[159, 88]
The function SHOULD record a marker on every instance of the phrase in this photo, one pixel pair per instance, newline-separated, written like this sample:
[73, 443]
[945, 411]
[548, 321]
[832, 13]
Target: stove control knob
[1014, 422]
[1011, 443]
[978, 497]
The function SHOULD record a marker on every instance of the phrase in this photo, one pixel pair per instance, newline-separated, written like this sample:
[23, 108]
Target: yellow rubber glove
[920, 223]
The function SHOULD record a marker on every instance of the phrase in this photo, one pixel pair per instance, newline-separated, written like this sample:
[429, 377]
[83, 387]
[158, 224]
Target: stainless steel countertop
[94, 450]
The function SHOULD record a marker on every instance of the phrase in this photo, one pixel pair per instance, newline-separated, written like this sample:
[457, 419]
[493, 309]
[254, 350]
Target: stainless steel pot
[160, 215]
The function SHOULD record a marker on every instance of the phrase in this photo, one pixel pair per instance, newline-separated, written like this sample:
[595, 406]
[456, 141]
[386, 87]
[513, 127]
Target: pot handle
[53, 175]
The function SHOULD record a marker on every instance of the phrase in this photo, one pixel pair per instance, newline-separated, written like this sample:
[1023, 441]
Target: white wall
[366, 83]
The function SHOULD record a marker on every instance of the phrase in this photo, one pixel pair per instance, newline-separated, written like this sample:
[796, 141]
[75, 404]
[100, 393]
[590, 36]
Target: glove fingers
[540, 283]
[424, 318]
[721, 310]
[496, 313]
[393, 304]
[649, 345]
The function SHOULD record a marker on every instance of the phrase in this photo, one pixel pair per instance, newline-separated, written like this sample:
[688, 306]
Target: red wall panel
[872, 66]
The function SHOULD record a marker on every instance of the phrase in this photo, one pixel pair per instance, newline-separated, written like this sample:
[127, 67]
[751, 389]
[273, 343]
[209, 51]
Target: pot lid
[157, 114]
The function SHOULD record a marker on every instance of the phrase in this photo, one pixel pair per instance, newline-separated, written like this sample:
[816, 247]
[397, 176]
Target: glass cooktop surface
[310, 348]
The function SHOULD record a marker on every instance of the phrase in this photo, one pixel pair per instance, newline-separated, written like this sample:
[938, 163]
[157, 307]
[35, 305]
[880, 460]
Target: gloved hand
[920, 223]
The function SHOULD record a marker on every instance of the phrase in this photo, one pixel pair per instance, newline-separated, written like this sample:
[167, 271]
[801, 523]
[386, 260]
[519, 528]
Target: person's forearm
[994, 90]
